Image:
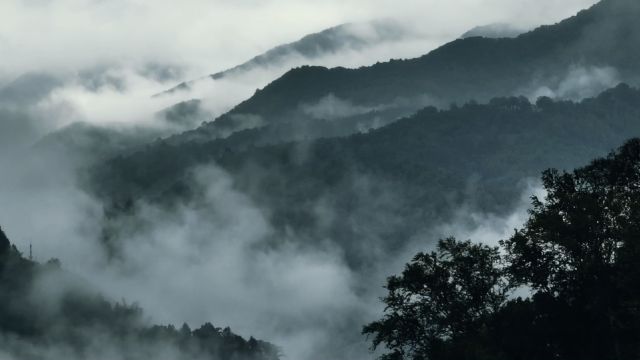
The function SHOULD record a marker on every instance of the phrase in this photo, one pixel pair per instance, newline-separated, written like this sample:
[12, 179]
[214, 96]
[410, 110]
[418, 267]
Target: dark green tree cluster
[577, 259]
[215, 342]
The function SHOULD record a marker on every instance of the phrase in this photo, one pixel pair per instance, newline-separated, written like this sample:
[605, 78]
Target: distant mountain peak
[344, 37]
[494, 31]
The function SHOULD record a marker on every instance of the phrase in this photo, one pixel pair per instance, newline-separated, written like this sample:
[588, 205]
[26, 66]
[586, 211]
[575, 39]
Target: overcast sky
[208, 35]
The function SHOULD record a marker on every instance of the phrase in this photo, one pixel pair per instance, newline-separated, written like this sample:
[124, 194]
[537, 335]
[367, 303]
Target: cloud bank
[76, 34]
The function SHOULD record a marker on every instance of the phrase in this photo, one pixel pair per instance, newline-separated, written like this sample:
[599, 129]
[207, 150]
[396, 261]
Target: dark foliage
[4, 243]
[443, 296]
[79, 317]
[578, 256]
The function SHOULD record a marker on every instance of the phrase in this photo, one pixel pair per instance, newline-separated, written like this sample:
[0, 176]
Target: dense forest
[282, 216]
[428, 165]
[565, 286]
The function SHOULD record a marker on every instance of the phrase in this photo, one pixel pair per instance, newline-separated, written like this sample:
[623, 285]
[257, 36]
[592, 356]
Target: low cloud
[578, 83]
[331, 107]
[488, 228]
[96, 32]
[216, 256]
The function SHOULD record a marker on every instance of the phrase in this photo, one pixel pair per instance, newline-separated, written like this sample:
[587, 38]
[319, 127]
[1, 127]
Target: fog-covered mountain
[374, 195]
[388, 189]
[283, 217]
[494, 31]
[28, 87]
[49, 313]
[432, 157]
[342, 38]
[560, 61]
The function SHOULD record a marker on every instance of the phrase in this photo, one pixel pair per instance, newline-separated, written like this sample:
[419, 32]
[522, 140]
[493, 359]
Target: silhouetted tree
[578, 256]
[581, 246]
[441, 296]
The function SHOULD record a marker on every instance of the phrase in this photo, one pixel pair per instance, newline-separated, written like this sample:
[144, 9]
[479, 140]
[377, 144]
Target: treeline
[565, 286]
[47, 313]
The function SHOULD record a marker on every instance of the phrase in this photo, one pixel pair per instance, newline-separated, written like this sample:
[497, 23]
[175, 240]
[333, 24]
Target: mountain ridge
[433, 158]
[465, 69]
[323, 43]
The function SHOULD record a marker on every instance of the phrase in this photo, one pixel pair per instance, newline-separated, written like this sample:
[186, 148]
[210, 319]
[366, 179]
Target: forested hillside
[429, 164]
[564, 286]
[48, 313]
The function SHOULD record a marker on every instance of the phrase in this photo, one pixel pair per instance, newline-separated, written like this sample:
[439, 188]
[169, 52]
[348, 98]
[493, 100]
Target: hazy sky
[207, 35]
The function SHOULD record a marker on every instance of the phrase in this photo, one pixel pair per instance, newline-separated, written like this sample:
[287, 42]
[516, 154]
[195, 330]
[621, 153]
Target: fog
[577, 83]
[213, 258]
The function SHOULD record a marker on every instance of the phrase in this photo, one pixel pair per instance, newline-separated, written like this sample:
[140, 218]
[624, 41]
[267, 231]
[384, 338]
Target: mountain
[296, 132]
[48, 313]
[342, 38]
[494, 31]
[28, 88]
[426, 166]
[19, 122]
[574, 59]
[82, 144]
[353, 161]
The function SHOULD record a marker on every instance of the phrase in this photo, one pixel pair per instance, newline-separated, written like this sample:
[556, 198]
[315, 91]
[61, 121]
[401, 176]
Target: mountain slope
[426, 166]
[342, 38]
[494, 31]
[28, 88]
[47, 313]
[576, 58]
[377, 196]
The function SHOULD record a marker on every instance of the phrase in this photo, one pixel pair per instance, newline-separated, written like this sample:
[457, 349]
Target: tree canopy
[440, 296]
[576, 257]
